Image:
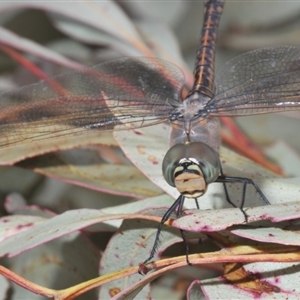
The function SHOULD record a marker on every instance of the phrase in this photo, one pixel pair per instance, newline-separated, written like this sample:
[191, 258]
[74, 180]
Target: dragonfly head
[190, 167]
[189, 179]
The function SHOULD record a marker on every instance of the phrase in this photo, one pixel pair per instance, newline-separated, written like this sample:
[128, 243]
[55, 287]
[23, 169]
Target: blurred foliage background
[170, 30]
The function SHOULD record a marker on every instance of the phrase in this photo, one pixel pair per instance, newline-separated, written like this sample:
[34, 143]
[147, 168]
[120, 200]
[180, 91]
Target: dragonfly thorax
[190, 167]
[193, 105]
[190, 122]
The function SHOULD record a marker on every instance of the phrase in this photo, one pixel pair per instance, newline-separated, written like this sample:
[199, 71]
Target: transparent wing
[129, 92]
[261, 81]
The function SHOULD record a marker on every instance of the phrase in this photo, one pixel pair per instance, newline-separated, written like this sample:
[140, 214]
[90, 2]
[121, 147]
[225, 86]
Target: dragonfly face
[190, 167]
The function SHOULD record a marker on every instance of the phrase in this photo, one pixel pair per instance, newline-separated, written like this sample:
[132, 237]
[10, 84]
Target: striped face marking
[189, 179]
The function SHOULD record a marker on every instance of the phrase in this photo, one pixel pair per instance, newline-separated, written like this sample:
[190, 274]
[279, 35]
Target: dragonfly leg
[197, 203]
[243, 201]
[187, 248]
[223, 179]
[245, 181]
[179, 202]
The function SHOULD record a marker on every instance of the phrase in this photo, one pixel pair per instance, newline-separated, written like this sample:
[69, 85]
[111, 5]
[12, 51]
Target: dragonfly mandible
[137, 92]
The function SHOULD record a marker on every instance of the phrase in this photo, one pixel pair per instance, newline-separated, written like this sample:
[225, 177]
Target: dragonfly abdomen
[205, 61]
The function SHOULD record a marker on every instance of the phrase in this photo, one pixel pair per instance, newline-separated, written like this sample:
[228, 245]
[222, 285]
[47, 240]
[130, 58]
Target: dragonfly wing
[261, 81]
[139, 92]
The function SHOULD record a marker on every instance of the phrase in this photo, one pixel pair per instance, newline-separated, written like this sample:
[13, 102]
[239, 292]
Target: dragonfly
[143, 91]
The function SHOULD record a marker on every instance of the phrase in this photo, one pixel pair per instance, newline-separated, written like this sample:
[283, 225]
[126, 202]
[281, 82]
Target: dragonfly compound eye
[190, 167]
